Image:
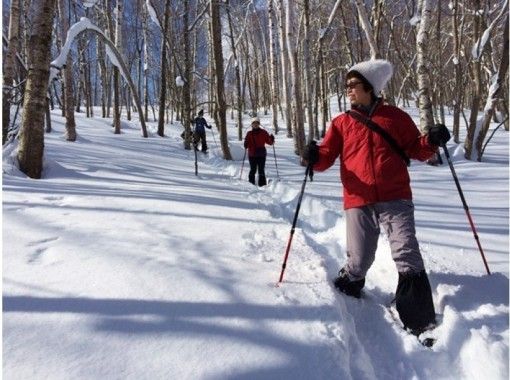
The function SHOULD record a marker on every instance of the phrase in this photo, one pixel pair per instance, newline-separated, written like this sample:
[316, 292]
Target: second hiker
[255, 141]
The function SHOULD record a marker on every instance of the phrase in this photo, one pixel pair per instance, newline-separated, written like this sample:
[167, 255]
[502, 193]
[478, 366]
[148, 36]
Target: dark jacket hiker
[199, 133]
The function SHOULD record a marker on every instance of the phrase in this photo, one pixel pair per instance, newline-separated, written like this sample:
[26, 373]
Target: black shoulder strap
[376, 128]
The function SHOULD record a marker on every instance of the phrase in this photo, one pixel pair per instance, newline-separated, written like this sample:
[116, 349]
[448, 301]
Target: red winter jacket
[371, 171]
[256, 140]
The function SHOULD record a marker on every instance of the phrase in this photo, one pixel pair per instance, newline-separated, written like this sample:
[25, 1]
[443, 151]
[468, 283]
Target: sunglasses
[352, 85]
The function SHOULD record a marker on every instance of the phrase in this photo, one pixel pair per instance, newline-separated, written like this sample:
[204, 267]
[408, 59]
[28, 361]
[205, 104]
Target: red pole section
[308, 171]
[466, 208]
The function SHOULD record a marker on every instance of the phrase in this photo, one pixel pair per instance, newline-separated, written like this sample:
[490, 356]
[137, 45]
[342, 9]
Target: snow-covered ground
[122, 264]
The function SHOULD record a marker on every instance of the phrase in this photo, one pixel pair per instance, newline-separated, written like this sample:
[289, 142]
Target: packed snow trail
[121, 264]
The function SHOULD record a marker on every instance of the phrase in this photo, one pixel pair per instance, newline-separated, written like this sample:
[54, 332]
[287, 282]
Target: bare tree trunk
[477, 86]
[285, 68]
[145, 63]
[10, 66]
[367, 27]
[186, 90]
[495, 93]
[103, 75]
[238, 78]
[274, 64]
[308, 71]
[457, 92]
[31, 141]
[116, 75]
[163, 89]
[70, 133]
[221, 108]
[426, 115]
[297, 103]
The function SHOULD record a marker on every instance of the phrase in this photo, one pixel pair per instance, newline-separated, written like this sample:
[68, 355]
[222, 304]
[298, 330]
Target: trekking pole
[242, 166]
[308, 172]
[465, 206]
[195, 150]
[275, 163]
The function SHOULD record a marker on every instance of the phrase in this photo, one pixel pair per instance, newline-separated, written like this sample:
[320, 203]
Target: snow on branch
[478, 47]
[77, 28]
[152, 13]
[57, 64]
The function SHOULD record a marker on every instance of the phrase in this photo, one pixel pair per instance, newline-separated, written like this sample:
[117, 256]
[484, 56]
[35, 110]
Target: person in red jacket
[376, 188]
[255, 141]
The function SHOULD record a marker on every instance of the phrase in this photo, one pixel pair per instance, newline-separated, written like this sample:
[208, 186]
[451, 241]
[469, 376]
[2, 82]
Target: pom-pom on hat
[377, 72]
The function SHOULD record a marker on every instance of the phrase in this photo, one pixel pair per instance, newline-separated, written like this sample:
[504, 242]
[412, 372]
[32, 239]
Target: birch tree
[425, 105]
[297, 103]
[239, 100]
[31, 140]
[221, 107]
[163, 89]
[274, 63]
[9, 68]
[285, 68]
[116, 74]
[367, 28]
[70, 133]
[307, 70]
[495, 92]
[476, 96]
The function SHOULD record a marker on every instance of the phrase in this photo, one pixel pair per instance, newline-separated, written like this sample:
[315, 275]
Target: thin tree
[116, 73]
[10, 66]
[70, 133]
[495, 93]
[273, 63]
[237, 70]
[220, 114]
[285, 68]
[163, 89]
[297, 104]
[425, 105]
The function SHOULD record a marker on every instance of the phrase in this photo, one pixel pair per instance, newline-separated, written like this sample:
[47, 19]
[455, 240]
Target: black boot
[347, 286]
[414, 302]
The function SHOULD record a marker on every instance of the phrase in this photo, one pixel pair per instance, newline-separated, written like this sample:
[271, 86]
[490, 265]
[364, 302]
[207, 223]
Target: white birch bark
[285, 68]
[367, 28]
[297, 103]
[425, 104]
[273, 63]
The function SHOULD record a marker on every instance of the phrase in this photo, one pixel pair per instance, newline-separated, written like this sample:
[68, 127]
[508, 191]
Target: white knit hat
[376, 71]
[255, 120]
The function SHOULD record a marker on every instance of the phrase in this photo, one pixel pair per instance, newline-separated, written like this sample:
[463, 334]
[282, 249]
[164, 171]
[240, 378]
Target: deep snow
[121, 264]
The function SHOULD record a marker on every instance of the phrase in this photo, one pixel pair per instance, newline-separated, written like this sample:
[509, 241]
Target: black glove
[311, 153]
[271, 137]
[208, 126]
[438, 135]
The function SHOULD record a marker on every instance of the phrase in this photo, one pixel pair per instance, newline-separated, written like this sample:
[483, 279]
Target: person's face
[356, 92]
[255, 124]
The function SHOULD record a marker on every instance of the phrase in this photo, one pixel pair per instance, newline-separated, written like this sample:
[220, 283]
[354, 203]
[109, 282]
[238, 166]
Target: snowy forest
[128, 253]
[164, 60]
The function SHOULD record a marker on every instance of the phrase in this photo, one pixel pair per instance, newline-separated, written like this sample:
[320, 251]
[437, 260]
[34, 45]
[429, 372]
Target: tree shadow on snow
[203, 321]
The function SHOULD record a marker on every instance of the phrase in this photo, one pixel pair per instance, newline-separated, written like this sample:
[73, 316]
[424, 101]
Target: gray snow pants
[397, 219]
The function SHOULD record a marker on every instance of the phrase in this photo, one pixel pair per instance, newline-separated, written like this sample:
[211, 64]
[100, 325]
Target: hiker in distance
[376, 187]
[255, 141]
[199, 134]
